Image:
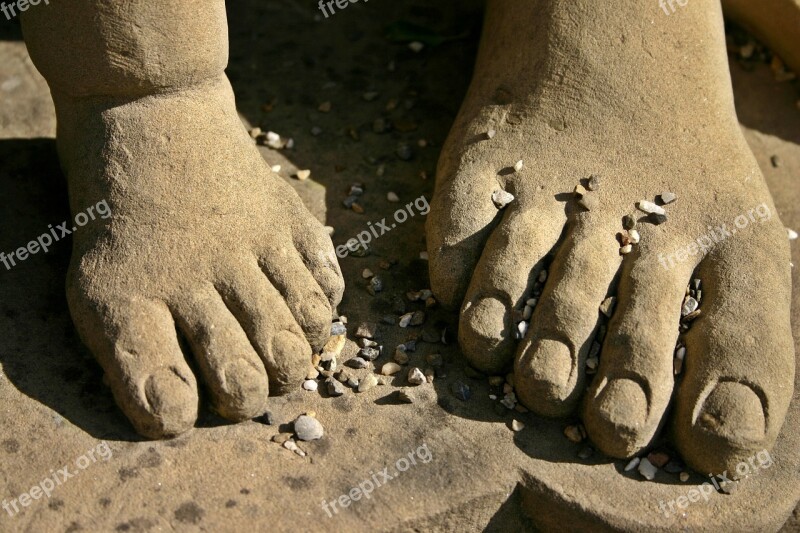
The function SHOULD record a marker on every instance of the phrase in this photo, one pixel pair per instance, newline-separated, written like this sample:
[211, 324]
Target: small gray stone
[628, 222]
[337, 328]
[375, 285]
[594, 183]
[657, 219]
[668, 197]
[417, 318]
[369, 353]
[357, 362]
[334, 387]
[367, 383]
[308, 428]
[461, 391]
[690, 305]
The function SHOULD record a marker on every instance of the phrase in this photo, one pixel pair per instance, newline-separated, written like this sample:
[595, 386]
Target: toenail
[291, 358]
[246, 390]
[733, 411]
[486, 319]
[172, 400]
[623, 404]
[550, 366]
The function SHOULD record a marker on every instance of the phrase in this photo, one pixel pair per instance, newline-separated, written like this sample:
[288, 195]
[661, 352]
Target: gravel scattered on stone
[302, 175]
[461, 391]
[589, 202]
[334, 387]
[668, 197]
[369, 353]
[633, 463]
[416, 376]
[502, 198]
[658, 459]
[607, 307]
[308, 428]
[367, 383]
[574, 434]
[366, 330]
[358, 363]
[690, 305]
[647, 469]
[629, 222]
[391, 368]
[401, 356]
[650, 208]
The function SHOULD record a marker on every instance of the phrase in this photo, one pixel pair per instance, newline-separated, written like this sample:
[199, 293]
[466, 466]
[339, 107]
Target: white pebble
[531, 302]
[647, 469]
[522, 328]
[681, 353]
[276, 168]
[625, 250]
[392, 197]
[416, 46]
[792, 234]
[491, 134]
[416, 377]
[390, 369]
[634, 236]
[502, 198]
[367, 273]
[518, 165]
[650, 208]
[310, 385]
[690, 305]
[632, 464]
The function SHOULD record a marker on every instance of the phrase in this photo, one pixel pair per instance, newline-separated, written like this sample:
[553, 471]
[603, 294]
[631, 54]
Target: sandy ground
[284, 65]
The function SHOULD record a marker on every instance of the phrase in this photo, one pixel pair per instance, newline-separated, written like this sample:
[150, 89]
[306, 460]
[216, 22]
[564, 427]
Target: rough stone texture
[220, 476]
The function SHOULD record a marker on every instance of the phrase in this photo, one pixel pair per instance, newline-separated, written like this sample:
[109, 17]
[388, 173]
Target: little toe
[506, 272]
[549, 371]
[231, 368]
[136, 343]
[739, 364]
